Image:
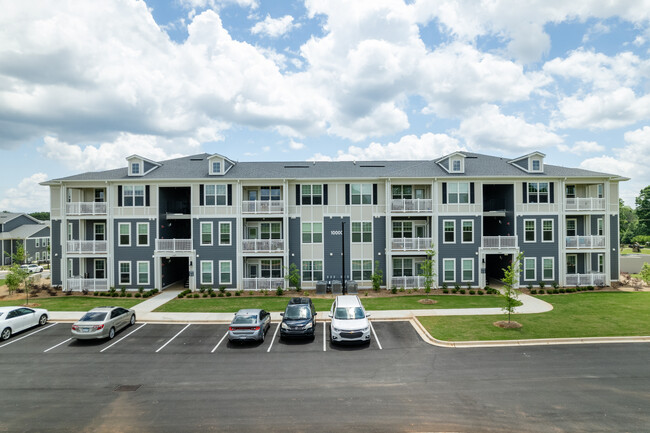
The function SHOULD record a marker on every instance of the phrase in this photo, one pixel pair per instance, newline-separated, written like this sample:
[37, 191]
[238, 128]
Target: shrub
[555, 284]
[122, 290]
[155, 290]
[488, 289]
[220, 294]
[393, 290]
[213, 295]
[145, 295]
[111, 290]
[479, 292]
[94, 294]
[533, 291]
[377, 277]
[590, 287]
[471, 292]
[279, 291]
[251, 293]
[454, 290]
[469, 286]
[228, 294]
[457, 287]
[137, 295]
[445, 290]
[222, 289]
[140, 290]
[529, 287]
[128, 295]
[205, 295]
[238, 293]
[578, 288]
[462, 291]
[541, 284]
[444, 286]
[202, 290]
[409, 291]
[562, 291]
[122, 295]
[401, 289]
[540, 292]
[556, 291]
[196, 295]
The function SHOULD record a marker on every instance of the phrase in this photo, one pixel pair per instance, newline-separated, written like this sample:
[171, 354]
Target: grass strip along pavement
[73, 303]
[605, 314]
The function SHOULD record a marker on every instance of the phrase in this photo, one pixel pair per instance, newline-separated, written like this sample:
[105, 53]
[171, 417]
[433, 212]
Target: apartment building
[21, 229]
[213, 222]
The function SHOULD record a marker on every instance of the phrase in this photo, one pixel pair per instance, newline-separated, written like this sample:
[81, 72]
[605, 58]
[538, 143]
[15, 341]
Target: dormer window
[216, 167]
[135, 168]
[456, 165]
[537, 165]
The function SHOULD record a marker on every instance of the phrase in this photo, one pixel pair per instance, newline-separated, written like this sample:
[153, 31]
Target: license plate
[85, 329]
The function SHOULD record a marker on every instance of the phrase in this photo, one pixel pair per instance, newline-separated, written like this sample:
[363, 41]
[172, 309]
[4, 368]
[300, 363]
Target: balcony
[173, 245]
[262, 283]
[580, 204]
[86, 208]
[499, 242]
[413, 282]
[411, 244]
[411, 205]
[87, 247]
[585, 242]
[87, 284]
[263, 245]
[262, 206]
[592, 279]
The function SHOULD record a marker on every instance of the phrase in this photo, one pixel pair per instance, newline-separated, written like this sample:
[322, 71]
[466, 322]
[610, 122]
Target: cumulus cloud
[582, 147]
[274, 27]
[295, 145]
[28, 196]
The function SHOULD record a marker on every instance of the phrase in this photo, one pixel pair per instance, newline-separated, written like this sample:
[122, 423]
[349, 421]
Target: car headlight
[308, 326]
[335, 329]
[285, 326]
[365, 329]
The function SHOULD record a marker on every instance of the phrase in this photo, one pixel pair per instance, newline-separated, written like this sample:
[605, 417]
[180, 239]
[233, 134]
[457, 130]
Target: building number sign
[336, 232]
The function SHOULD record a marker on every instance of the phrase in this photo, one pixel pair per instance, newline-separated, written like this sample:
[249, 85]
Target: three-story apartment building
[210, 221]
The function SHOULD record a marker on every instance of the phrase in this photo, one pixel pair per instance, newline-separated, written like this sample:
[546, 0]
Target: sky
[84, 84]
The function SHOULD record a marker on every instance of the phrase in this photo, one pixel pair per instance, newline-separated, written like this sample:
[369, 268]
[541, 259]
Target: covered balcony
[87, 284]
[87, 247]
[585, 242]
[499, 242]
[262, 207]
[263, 245]
[591, 279]
[262, 283]
[86, 208]
[412, 282]
[173, 245]
[411, 244]
[414, 205]
[584, 204]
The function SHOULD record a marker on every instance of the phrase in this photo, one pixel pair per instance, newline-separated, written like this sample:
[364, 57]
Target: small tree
[428, 267]
[377, 277]
[293, 276]
[19, 256]
[510, 278]
[645, 273]
[15, 278]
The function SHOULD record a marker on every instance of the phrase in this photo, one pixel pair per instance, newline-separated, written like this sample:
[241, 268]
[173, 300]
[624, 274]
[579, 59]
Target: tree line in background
[635, 223]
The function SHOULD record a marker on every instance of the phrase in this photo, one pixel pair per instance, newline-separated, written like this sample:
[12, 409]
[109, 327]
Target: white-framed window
[206, 232]
[100, 268]
[133, 195]
[548, 268]
[449, 232]
[599, 226]
[311, 194]
[125, 273]
[361, 193]
[206, 272]
[143, 273]
[225, 271]
[536, 165]
[37, 256]
[468, 231]
[601, 263]
[361, 232]
[124, 230]
[215, 195]
[402, 229]
[135, 168]
[448, 270]
[529, 230]
[69, 195]
[600, 189]
[143, 234]
[225, 237]
[530, 273]
[468, 270]
[571, 227]
[312, 270]
[570, 191]
[216, 167]
[312, 233]
[402, 267]
[274, 230]
[571, 263]
[70, 268]
[456, 165]
[100, 231]
[37, 243]
[458, 192]
[272, 193]
[402, 192]
[361, 270]
[537, 192]
[271, 268]
[70, 231]
[547, 230]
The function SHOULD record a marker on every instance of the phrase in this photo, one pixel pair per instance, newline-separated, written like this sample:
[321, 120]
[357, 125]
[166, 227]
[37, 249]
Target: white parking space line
[107, 347]
[274, 334]
[28, 335]
[324, 337]
[172, 339]
[222, 338]
[54, 347]
[372, 328]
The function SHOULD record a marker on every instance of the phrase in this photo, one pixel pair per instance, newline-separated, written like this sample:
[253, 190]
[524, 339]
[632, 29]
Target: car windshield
[93, 316]
[349, 313]
[295, 312]
[244, 320]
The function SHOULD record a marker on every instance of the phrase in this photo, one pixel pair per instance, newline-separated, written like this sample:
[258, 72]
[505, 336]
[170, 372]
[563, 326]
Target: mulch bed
[508, 325]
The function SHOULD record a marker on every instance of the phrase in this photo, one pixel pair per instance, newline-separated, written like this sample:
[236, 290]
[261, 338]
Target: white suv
[349, 320]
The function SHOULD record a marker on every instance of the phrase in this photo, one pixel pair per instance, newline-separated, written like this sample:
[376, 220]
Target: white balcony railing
[585, 242]
[498, 242]
[595, 279]
[584, 204]
[86, 208]
[411, 205]
[90, 284]
[411, 244]
[174, 245]
[262, 283]
[262, 206]
[407, 282]
[262, 245]
[87, 247]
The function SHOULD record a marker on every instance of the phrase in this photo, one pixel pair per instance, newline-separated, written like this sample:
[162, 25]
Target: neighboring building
[21, 228]
[215, 222]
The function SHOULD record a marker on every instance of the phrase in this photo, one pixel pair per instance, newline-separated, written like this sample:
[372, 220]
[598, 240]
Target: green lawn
[75, 303]
[603, 314]
[629, 251]
[272, 303]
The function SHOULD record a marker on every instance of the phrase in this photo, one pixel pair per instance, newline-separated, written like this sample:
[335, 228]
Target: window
[37, 256]
[312, 270]
[125, 272]
[270, 230]
[312, 194]
[270, 193]
[100, 231]
[601, 263]
[571, 227]
[100, 268]
[402, 229]
[455, 165]
[402, 267]
[70, 268]
[599, 226]
[402, 192]
[135, 168]
[206, 233]
[599, 188]
[547, 230]
[529, 269]
[272, 268]
[143, 234]
[216, 195]
[449, 232]
[224, 233]
[449, 270]
[361, 193]
[458, 192]
[70, 231]
[570, 191]
[37, 242]
[143, 273]
[133, 195]
[468, 231]
[538, 192]
[536, 165]
[225, 276]
[361, 232]
[206, 272]
[312, 233]
[548, 268]
[216, 167]
[529, 230]
[571, 264]
[468, 270]
[99, 196]
[361, 270]
[125, 234]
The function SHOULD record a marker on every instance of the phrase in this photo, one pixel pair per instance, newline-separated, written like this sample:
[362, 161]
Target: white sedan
[16, 319]
[32, 268]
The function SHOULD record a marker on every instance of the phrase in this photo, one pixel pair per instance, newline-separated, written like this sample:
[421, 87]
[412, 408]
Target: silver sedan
[102, 322]
[249, 324]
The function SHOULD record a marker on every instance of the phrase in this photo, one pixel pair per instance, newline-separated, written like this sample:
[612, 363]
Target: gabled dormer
[139, 166]
[530, 163]
[453, 163]
[219, 165]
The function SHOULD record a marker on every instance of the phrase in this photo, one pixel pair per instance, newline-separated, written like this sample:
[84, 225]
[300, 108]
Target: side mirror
[315, 314]
[329, 315]
[368, 315]
[281, 314]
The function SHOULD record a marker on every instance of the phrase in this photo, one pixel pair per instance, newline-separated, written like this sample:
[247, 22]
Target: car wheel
[6, 333]
[132, 321]
[42, 320]
[111, 334]
[262, 336]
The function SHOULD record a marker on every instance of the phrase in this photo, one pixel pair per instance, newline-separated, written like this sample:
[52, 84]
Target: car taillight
[98, 327]
[257, 328]
[75, 327]
[230, 328]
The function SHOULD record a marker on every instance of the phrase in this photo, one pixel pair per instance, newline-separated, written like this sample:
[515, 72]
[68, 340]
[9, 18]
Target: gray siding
[147, 166]
[379, 244]
[294, 243]
[539, 249]
[332, 248]
[134, 253]
[216, 252]
[55, 253]
[17, 222]
[458, 250]
[613, 234]
[594, 224]
[75, 229]
[523, 163]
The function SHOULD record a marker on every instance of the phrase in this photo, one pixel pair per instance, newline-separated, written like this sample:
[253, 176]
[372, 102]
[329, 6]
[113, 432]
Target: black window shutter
[298, 195]
[347, 193]
[444, 193]
[119, 195]
[201, 189]
[146, 195]
[230, 194]
[374, 193]
[525, 192]
[552, 192]
[325, 194]
[471, 192]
